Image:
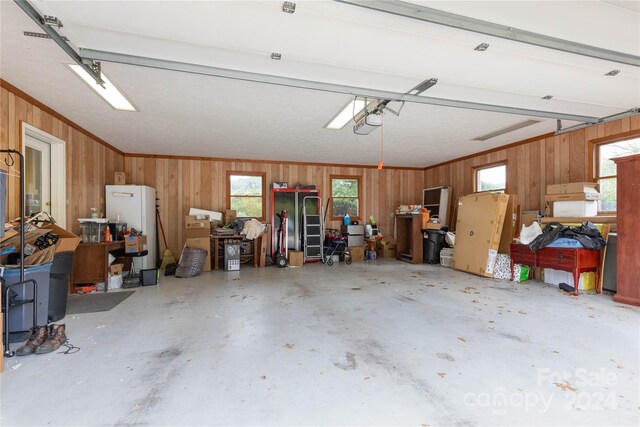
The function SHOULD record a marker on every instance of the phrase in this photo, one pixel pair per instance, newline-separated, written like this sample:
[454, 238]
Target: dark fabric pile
[587, 234]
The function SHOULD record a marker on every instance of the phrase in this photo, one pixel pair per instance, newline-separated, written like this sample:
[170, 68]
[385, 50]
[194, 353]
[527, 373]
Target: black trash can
[432, 245]
[58, 282]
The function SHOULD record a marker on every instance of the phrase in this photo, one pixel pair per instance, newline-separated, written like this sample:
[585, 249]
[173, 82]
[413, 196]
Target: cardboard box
[527, 218]
[357, 253]
[511, 225]
[296, 258]
[372, 244]
[478, 232]
[115, 269]
[67, 241]
[213, 215]
[576, 208]
[201, 243]
[387, 242]
[135, 244]
[573, 187]
[425, 218]
[386, 252]
[120, 178]
[195, 228]
[571, 197]
[8, 233]
[230, 216]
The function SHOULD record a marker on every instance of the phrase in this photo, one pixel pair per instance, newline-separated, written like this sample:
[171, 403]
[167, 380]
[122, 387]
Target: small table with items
[91, 263]
[215, 241]
[573, 260]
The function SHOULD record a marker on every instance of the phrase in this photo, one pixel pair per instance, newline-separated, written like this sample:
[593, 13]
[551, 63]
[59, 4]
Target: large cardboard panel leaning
[478, 231]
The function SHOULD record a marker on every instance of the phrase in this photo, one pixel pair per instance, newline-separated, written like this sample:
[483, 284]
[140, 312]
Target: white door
[37, 178]
[45, 174]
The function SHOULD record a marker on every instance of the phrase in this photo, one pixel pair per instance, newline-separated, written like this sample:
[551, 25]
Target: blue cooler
[21, 316]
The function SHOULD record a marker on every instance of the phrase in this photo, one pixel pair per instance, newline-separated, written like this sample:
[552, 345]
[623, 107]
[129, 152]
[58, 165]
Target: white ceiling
[184, 114]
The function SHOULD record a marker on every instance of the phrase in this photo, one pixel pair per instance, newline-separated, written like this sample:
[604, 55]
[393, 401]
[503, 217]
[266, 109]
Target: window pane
[245, 185]
[247, 206]
[343, 206]
[608, 197]
[344, 187]
[606, 152]
[494, 178]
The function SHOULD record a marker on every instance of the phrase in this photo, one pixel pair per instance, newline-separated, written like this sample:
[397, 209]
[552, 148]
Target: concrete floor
[382, 343]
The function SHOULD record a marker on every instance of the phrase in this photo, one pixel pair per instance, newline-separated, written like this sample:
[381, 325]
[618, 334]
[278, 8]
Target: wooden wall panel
[90, 164]
[185, 183]
[533, 165]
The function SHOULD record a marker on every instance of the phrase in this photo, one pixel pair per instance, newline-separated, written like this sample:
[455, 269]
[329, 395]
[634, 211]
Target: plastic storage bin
[58, 283]
[21, 316]
[432, 245]
[149, 277]
[446, 257]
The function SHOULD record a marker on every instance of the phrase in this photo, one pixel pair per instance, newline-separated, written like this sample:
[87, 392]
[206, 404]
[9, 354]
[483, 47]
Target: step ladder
[312, 231]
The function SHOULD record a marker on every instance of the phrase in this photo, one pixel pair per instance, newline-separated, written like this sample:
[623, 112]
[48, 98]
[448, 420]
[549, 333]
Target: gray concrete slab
[382, 343]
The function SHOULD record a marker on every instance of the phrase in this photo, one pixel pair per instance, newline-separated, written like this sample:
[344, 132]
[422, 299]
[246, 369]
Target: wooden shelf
[409, 240]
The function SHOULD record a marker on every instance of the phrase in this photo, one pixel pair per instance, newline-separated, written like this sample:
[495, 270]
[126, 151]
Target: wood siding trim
[270, 162]
[31, 100]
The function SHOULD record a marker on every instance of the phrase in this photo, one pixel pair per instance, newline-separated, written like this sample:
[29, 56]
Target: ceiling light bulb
[276, 56]
[547, 97]
[613, 73]
[482, 47]
[109, 92]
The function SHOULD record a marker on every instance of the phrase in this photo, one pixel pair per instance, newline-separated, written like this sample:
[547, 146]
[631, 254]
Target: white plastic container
[115, 281]
[579, 208]
[446, 257]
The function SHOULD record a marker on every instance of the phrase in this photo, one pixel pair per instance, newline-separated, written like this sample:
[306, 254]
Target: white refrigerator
[135, 205]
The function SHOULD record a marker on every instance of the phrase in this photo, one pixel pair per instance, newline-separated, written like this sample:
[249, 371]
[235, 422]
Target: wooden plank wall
[90, 164]
[185, 183]
[533, 165]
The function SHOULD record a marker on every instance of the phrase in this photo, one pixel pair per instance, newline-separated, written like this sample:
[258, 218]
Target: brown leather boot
[55, 339]
[38, 336]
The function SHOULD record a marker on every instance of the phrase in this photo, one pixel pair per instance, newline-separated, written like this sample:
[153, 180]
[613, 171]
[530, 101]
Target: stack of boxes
[576, 199]
[197, 232]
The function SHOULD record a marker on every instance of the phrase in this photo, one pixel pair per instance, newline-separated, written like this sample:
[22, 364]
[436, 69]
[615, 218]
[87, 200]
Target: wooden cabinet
[628, 262]
[575, 261]
[91, 263]
[409, 238]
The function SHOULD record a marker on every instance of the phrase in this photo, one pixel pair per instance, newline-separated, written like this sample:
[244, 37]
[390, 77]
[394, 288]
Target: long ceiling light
[109, 92]
[347, 113]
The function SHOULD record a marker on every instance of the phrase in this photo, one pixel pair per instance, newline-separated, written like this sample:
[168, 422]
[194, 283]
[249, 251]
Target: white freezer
[135, 205]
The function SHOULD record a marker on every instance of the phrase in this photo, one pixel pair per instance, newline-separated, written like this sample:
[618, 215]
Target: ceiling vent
[508, 129]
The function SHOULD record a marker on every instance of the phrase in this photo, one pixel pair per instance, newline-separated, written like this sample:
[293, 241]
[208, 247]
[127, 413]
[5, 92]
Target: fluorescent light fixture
[109, 92]
[508, 129]
[352, 109]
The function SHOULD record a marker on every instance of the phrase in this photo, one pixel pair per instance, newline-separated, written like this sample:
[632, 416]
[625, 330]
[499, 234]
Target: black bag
[550, 233]
[587, 234]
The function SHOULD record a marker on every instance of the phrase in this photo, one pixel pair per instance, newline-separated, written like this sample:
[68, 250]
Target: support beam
[89, 55]
[38, 19]
[435, 16]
